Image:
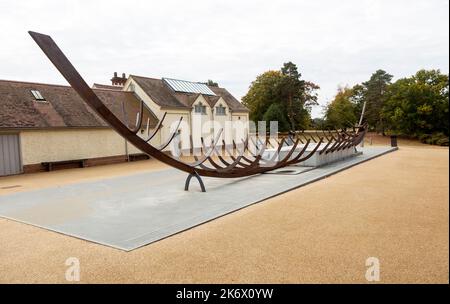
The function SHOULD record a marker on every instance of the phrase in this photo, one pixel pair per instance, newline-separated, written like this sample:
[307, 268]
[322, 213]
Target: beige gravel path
[395, 208]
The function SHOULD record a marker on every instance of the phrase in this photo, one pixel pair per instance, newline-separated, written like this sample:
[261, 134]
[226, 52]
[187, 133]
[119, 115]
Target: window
[221, 110]
[200, 109]
[37, 95]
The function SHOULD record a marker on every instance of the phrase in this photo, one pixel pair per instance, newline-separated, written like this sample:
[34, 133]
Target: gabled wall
[190, 119]
[220, 121]
[199, 128]
[172, 116]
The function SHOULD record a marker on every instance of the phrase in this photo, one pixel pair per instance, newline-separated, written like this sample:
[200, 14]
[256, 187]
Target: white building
[44, 126]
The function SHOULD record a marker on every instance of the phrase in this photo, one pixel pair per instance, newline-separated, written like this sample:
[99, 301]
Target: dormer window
[200, 109]
[37, 95]
[221, 111]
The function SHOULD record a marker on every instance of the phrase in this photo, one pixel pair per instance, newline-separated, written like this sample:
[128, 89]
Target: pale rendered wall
[147, 100]
[56, 145]
[172, 115]
[200, 120]
[189, 116]
[221, 122]
[242, 117]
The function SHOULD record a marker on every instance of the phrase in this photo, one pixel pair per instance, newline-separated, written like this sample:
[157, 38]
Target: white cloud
[332, 42]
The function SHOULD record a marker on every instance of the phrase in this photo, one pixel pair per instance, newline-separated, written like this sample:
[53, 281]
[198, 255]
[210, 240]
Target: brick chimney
[118, 81]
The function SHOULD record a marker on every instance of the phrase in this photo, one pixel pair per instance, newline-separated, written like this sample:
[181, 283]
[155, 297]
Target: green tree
[340, 113]
[291, 88]
[298, 96]
[357, 98]
[308, 100]
[275, 112]
[263, 92]
[286, 88]
[375, 96]
[418, 105]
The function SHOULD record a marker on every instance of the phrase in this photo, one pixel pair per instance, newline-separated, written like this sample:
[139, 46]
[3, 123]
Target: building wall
[131, 85]
[172, 115]
[240, 116]
[52, 145]
[199, 127]
[243, 118]
[39, 146]
[190, 119]
[171, 121]
[220, 122]
[57, 145]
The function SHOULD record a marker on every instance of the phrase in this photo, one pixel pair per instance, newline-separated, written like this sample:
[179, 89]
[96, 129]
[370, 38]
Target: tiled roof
[164, 96]
[232, 102]
[63, 106]
[159, 92]
[106, 86]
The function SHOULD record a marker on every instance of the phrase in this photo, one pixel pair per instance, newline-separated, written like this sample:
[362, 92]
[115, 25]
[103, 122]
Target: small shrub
[443, 142]
[423, 138]
[437, 138]
[440, 139]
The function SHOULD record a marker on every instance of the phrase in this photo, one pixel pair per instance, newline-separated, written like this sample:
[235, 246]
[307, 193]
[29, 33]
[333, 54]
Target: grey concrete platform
[132, 211]
[316, 160]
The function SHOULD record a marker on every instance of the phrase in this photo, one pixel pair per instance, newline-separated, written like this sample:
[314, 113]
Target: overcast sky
[332, 42]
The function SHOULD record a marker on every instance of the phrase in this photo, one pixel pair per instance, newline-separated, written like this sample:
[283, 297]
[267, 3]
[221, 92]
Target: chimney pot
[118, 81]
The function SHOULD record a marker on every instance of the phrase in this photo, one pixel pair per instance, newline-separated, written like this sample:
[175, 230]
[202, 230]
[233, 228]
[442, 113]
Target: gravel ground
[395, 208]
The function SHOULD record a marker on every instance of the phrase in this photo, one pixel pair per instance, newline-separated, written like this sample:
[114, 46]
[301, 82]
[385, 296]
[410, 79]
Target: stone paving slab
[128, 212]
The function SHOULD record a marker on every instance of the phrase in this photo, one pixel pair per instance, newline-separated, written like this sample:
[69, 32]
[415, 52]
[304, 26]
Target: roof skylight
[188, 86]
[37, 95]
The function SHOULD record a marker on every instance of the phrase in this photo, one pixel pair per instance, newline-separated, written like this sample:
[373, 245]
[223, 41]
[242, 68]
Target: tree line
[415, 106]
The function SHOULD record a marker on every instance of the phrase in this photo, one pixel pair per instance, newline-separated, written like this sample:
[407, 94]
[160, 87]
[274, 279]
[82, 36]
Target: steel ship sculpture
[244, 159]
